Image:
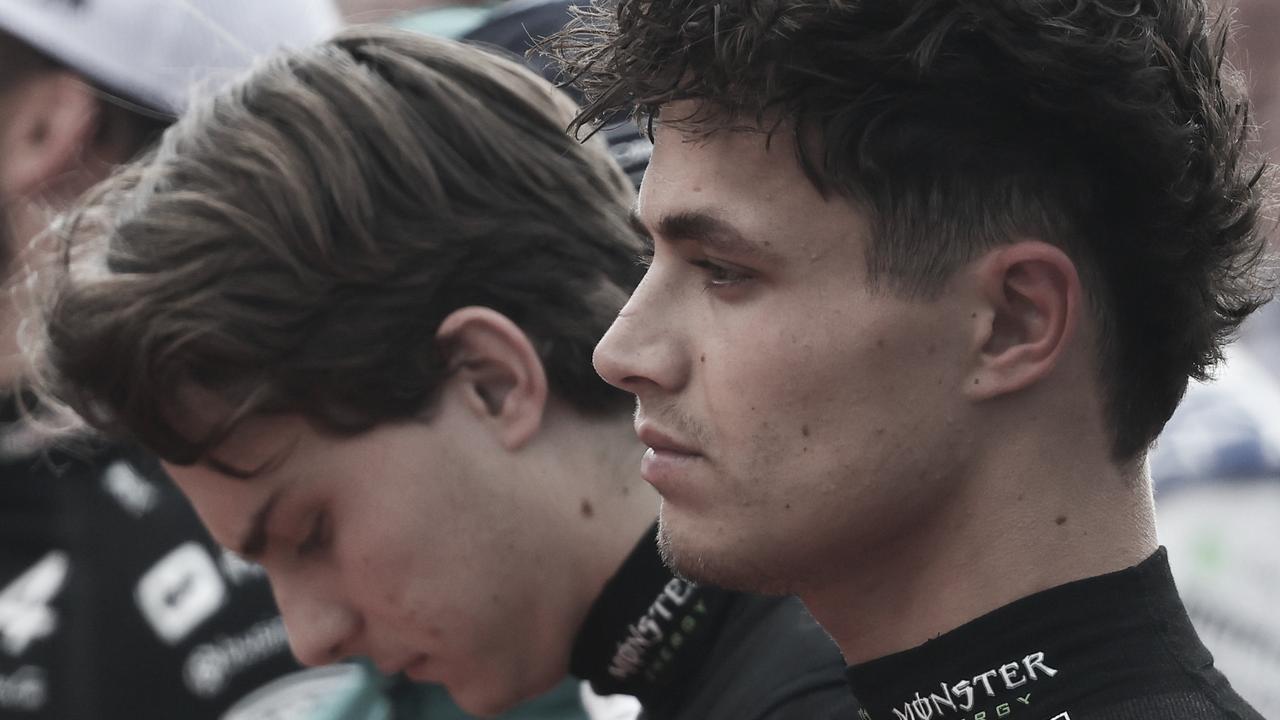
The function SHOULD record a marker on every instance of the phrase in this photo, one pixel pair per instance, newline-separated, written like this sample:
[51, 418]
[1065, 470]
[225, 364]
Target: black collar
[1084, 645]
[648, 631]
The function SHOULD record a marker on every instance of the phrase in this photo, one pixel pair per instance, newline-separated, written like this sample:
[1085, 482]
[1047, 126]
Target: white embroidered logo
[25, 615]
[962, 696]
[180, 592]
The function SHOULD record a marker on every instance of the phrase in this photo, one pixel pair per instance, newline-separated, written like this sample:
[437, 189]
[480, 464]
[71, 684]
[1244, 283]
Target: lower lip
[665, 469]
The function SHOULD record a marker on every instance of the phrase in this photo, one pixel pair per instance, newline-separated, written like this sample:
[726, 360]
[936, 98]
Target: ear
[501, 376]
[52, 120]
[1030, 293]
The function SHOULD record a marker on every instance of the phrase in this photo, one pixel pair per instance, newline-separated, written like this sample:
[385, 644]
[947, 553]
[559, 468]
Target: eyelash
[317, 538]
[719, 276]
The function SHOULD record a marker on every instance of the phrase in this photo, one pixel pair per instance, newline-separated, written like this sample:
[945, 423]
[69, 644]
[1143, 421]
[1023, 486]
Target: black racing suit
[1113, 647]
[691, 652]
[114, 602]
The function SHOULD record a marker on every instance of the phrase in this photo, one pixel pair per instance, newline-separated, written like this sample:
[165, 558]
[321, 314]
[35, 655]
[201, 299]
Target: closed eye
[317, 538]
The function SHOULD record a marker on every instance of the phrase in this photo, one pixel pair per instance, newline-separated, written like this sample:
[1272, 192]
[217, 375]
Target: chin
[716, 558]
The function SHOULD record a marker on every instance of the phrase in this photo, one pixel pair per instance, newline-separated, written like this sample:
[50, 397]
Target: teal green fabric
[365, 700]
[374, 697]
[450, 22]
[431, 702]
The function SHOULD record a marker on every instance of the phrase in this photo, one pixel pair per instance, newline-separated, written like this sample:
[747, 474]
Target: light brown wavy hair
[294, 242]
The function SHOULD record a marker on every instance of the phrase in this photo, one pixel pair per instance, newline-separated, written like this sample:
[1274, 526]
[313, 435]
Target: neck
[1034, 516]
[611, 508]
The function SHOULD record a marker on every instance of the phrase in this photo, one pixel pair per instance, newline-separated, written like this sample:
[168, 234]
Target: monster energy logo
[664, 626]
[960, 697]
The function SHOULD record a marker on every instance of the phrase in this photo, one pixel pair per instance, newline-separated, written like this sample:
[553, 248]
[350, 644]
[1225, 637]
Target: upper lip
[659, 440]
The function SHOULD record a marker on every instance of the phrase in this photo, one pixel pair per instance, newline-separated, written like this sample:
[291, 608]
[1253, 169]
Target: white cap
[154, 52]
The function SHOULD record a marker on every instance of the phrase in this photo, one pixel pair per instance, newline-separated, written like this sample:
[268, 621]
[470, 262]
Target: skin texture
[712, 381]
[455, 547]
[900, 463]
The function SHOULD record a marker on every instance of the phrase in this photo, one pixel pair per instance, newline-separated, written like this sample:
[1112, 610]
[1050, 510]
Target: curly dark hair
[1114, 128]
[295, 241]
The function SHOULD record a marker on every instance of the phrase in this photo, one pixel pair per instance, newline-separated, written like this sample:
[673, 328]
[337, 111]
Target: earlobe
[495, 366]
[1032, 292]
[52, 121]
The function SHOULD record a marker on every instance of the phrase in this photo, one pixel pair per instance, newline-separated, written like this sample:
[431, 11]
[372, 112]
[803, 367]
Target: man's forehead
[737, 154]
[258, 445]
[743, 178]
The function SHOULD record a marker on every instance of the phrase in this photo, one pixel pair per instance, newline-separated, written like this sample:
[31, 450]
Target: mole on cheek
[804, 430]
[586, 509]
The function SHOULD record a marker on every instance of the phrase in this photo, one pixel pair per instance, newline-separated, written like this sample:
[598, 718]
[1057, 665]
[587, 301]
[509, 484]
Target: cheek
[375, 563]
[785, 379]
[836, 390]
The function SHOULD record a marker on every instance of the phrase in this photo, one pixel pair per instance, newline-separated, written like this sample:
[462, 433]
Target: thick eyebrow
[711, 232]
[254, 541]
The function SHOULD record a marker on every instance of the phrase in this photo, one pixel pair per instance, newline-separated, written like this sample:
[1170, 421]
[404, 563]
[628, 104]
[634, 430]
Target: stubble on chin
[726, 565]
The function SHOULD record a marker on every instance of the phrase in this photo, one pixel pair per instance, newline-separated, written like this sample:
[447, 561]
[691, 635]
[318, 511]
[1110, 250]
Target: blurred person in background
[114, 602]
[387, 11]
[1216, 467]
[390, 402]
[515, 27]
[1258, 54]
[1216, 471]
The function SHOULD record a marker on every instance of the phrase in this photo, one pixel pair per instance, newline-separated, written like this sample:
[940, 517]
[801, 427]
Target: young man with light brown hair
[351, 302]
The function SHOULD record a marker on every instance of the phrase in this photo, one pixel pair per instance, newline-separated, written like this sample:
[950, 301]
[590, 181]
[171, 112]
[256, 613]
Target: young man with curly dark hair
[927, 279]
